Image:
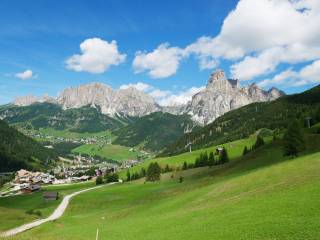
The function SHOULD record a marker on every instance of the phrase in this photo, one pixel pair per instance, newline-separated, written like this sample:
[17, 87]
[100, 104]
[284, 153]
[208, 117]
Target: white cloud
[309, 74]
[97, 56]
[182, 97]
[139, 85]
[159, 94]
[162, 62]
[262, 34]
[165, 97]
[27, 74]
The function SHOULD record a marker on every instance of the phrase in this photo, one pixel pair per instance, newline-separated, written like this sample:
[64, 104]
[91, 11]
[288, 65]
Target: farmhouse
[50, 196]
[31, 188]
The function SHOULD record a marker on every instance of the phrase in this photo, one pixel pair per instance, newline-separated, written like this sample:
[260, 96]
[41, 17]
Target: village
[80, 169]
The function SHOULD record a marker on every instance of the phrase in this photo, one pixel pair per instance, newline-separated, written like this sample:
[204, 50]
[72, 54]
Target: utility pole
[97, 234]
[308, 121]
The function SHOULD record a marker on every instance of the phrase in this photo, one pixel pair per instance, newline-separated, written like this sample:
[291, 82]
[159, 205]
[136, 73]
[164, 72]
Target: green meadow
[235, 150]
[109, 151]
[262, 195]
[13, 209]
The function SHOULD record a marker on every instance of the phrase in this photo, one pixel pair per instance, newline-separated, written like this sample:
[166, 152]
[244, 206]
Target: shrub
[99, 180]
[180, 179]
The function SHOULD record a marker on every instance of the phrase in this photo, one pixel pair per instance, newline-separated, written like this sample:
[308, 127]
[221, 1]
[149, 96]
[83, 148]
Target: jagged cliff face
[128, 101]
[222, 95]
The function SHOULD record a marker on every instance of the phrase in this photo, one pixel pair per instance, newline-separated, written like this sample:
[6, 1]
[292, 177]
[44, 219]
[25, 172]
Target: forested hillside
[19, 151]
[154, 132]
[46, 115]
[246, 120]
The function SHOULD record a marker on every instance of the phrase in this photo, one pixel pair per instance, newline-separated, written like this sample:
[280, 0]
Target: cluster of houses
[28, 182]
[89, 140]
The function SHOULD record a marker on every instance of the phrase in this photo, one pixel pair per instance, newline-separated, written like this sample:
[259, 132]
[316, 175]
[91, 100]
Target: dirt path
[58, 212]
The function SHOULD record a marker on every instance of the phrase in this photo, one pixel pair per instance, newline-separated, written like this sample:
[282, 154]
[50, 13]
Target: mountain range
[218, 97]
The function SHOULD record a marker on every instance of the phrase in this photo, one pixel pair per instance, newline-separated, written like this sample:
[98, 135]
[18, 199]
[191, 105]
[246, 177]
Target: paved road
[58, 212]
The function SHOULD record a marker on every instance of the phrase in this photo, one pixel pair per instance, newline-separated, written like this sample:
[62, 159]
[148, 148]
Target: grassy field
[235, 150]
[13, 209]
[260, 196]
[73, 135]
[109, 151]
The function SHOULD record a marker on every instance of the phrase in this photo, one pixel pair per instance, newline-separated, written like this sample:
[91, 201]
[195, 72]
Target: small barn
[50, 196]
[31, 188]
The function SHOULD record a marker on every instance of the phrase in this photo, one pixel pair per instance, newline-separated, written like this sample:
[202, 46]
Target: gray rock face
[128, 101]
[222, 95]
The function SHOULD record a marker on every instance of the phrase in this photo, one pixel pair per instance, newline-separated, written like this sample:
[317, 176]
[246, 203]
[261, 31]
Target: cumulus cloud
[260, 35]
[165, 97]
[96, 56]
[309, 74]
[139, 85]
[27, 74]
[162, 62]
[180, 98]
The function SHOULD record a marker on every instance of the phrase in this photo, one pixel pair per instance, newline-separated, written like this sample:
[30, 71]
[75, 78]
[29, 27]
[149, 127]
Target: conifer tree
[293, 139]
[211, 159]
[224, 156]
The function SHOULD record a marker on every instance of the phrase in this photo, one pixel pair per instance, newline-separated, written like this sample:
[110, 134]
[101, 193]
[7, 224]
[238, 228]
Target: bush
[180, 179]
[99, 180]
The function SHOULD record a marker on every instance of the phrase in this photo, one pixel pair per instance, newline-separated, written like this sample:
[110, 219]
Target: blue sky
[38, 37]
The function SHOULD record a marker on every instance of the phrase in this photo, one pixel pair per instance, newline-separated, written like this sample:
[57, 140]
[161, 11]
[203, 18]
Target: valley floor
[260, 196]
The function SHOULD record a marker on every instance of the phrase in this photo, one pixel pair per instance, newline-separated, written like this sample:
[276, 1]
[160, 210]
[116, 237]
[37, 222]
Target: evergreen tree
[142, 173]
[224, 156]
[318, 115]
[197, 162]
[185, 166]
[128, 176]
[293, 139]
[113, 177]
[167, 168]
[153, 172]
[205, 159]
[245, 151]
[211, 159]
[259, 142]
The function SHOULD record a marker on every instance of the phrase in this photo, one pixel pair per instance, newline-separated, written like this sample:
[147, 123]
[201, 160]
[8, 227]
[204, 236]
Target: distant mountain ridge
[220, 96]
[242, 122]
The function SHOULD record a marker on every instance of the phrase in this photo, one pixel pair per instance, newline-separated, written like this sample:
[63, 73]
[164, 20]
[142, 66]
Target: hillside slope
[47, 115]
[154, 131]
[242, 122]
[260, 196]
[19, 151]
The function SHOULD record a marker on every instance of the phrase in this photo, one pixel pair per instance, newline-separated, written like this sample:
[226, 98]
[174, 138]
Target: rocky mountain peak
[218, 75]
[222, 95]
